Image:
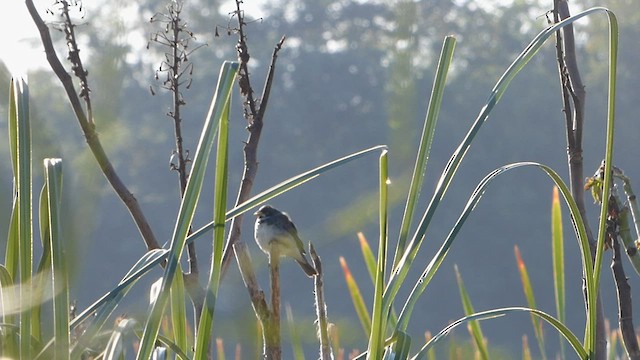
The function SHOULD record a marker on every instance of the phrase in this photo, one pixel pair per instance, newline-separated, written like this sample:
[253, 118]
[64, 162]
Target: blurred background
[352, 74]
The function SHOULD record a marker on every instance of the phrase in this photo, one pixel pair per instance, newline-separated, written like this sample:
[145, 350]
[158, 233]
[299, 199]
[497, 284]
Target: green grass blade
[428, 131]
[20, 142]
[53, 178]
[12, 254]
[367, 256]
[490, 314]
[179, 312]
[474, 326]
[356, 297]
[379, 317]
[436, 261]
[557, 248]
[531, 300]
[187, 207]
[401, 270]
[285, 186]
[205, 328]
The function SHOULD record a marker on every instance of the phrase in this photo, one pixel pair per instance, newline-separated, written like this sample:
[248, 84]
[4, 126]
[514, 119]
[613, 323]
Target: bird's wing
[291, 229]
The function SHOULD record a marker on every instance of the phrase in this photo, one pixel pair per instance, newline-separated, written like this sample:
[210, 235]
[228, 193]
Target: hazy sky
[21, 50]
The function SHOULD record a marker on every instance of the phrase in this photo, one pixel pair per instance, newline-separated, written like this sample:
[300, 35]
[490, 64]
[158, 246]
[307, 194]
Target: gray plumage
[276, 235]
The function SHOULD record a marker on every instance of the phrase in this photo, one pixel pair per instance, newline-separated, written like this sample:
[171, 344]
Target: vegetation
[40, 320]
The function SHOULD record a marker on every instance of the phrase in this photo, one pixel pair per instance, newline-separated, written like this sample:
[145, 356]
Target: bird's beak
[257, 213]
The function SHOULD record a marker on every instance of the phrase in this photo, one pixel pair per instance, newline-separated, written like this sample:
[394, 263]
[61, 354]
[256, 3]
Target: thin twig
[254, 115]
[178, 69]
[321, 308]
[256, 294]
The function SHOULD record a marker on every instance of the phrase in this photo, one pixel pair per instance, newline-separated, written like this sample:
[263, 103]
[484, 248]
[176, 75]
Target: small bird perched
[277, 236]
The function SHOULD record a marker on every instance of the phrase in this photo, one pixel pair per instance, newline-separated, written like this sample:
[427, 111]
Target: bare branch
[90, 134]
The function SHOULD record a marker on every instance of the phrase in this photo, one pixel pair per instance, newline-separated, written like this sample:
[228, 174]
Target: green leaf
[179, 313]
[356, 297]
[474, 326]
[531, 300]
[379, 317]
[53, 179]
[557, 248]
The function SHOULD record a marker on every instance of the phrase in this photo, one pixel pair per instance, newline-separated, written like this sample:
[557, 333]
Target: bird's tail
[307, 268]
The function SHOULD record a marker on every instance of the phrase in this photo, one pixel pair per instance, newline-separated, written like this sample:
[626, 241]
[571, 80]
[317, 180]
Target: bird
[276, 235]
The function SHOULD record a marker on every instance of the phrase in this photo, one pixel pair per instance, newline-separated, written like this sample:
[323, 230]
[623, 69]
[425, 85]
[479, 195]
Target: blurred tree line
[351, 74]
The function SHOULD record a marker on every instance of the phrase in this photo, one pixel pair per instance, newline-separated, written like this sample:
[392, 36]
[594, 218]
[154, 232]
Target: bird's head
[265, 211]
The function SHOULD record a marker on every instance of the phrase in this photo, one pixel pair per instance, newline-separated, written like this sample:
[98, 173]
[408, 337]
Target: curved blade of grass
[436, 261]
[484, 315]
[399, 274]
[557, 248]
[105, 306]
[608, 179]
[143, 266]
[284, 186]
[428, 131]
[53, 178]
[188, 205]
[474, 326]
[205, 327]
[148, 261]
[379, 317]
[356, 296]
[531, 300]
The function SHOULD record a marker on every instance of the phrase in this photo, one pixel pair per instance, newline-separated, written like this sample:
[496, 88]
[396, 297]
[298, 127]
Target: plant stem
[273, 350]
